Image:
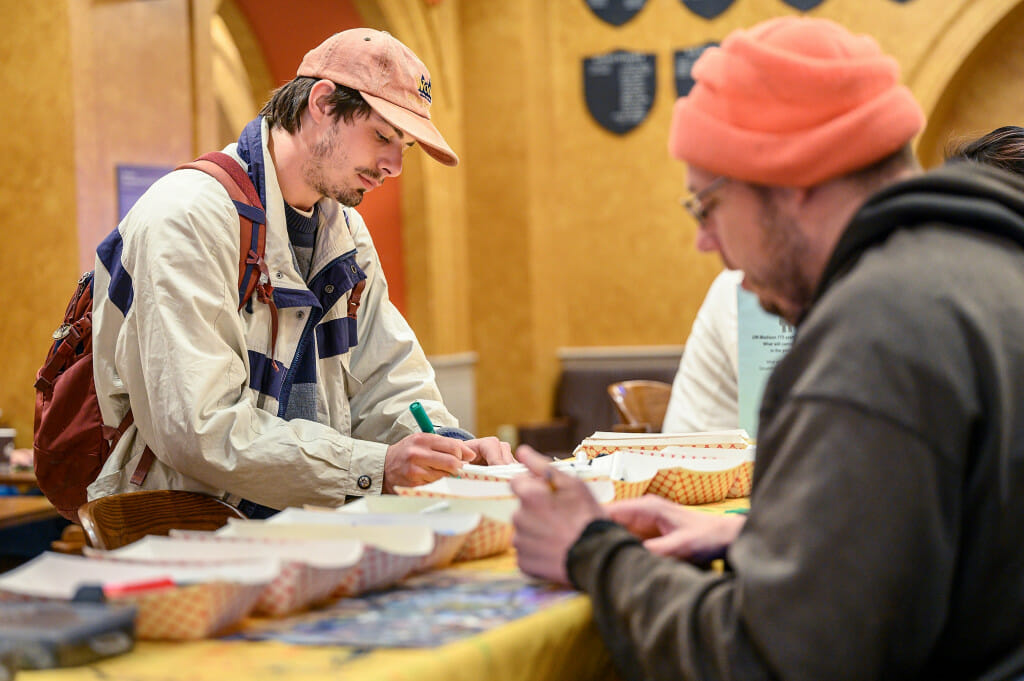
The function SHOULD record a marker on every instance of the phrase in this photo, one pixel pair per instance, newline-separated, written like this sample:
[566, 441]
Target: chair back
[640, 404]
[72, 541]
[113, 521]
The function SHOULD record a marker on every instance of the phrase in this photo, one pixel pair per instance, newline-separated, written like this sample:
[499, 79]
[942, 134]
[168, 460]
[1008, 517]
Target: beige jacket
[168, 339]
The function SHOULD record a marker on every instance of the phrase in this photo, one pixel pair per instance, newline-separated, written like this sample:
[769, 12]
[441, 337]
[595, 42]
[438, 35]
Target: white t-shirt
[705, 389]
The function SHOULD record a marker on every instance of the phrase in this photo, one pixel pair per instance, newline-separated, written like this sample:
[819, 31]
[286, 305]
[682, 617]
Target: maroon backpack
[71, 442]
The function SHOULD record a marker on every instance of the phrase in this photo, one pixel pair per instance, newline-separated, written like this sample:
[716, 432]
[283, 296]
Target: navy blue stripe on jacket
[121, 291]
[262, 376]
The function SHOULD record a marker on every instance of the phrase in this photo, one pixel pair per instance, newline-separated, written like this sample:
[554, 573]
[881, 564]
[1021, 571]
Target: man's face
[749, 229]
[350, 159]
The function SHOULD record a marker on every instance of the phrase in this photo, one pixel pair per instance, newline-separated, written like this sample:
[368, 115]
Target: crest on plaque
[683, 61]
[616, 12]
[709, 9]
[619, 89]
[803, 5]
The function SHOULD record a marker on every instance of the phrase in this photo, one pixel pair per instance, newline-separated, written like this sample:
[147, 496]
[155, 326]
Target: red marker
[121, 589]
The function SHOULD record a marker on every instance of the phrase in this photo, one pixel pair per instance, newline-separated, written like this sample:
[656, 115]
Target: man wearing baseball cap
[884, 533]
[306, 401]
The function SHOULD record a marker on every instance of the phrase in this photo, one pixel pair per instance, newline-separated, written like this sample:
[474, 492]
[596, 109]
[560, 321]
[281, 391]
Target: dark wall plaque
[803, 5]
[616, 12]
[709, 9]
[683, 61]
[619, 89]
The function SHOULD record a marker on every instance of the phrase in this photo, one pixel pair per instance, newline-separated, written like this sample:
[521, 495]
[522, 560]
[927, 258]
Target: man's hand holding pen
[554, 509]
[424, 457]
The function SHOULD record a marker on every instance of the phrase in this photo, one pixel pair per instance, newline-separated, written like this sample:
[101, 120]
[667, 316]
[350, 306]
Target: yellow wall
[87, 84]
[132, 75]
[984, 90]
[37, 196]
[552, 232]
[434, 196]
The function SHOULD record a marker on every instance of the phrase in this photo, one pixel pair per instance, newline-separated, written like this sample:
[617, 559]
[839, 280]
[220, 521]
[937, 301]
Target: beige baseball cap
[390, 78]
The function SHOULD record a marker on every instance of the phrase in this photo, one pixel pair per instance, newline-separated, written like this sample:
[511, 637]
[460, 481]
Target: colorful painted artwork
[426, 611]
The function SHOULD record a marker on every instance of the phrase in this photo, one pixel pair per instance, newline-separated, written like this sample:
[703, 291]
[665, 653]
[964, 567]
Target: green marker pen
[421, 417]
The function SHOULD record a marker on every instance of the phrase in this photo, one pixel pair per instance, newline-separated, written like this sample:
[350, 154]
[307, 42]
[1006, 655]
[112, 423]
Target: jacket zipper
[307, 333]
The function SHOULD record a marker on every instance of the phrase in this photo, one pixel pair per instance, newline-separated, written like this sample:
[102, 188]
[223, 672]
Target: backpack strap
[354, 298]
[253, 273]
[142, 469]
[74, 335]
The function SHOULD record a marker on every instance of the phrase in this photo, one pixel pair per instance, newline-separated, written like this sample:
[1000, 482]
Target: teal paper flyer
[763, 340]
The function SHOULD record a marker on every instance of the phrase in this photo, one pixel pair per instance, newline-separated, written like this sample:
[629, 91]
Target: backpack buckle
[62, 331]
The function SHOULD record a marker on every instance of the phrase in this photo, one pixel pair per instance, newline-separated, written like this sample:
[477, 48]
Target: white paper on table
[625, 465]
[725, 457]
[461, 487]
[500, 510]
[402, 540]
[510, 470]
[55, 575]
[191, 547]
[440, 523]
[603, 490]
[491, 536]
[735, 437]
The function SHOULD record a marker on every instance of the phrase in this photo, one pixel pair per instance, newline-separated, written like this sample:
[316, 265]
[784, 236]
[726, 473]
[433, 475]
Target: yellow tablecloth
[556, 643]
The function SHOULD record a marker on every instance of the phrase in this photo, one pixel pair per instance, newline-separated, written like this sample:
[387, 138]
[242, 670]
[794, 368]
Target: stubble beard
[786, 249]
[316, 177]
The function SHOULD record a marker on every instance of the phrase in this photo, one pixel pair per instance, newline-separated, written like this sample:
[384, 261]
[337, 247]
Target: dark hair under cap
[1002, 148]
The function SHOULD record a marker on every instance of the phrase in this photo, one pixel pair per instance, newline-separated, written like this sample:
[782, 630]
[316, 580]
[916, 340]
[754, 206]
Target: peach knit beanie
[793, 101]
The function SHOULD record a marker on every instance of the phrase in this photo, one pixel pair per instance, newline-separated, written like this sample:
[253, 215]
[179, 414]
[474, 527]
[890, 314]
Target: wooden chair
[640, 404]
[72, 541]
[119, 519]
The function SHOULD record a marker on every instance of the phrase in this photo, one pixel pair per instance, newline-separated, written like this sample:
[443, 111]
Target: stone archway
[972, 80]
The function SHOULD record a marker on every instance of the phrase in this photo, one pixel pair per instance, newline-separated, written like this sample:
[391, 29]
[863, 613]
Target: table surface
[24, 480]
[17, 510]
[558, 642]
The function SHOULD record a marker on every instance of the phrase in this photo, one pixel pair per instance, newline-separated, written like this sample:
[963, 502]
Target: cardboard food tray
[389, 553]
[493, 535]
[310, 571]
[172, 602]
[602, 443]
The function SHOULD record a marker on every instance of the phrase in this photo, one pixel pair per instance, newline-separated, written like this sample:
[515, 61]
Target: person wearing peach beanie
[884, 533]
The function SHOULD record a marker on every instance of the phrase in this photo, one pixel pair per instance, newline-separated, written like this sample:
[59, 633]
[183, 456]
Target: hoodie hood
[960, 194]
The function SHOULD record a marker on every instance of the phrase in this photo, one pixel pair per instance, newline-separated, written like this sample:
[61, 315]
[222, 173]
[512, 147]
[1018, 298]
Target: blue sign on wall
[132, 182]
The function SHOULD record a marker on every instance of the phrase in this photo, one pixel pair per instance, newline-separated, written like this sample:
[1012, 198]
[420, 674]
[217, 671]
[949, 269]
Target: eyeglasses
[697, 205]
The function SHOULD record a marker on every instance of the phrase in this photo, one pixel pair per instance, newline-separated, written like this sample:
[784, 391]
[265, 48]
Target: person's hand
[555, 507]
[490, 451]
[421, 458]
[669, 529]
